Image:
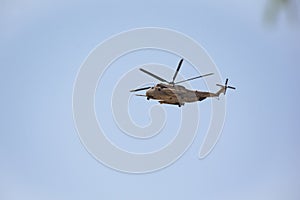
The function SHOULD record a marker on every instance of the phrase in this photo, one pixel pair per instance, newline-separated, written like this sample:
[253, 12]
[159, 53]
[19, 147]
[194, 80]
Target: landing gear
[180, 104]
[148, 98]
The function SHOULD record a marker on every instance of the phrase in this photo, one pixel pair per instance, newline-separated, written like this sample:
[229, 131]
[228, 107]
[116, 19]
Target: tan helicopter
[174, 94]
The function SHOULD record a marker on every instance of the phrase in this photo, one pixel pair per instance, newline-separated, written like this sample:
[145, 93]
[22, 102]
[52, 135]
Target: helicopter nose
[149, 92]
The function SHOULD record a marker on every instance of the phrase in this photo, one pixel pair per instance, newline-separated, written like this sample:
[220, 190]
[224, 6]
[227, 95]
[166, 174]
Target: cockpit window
[161, 86]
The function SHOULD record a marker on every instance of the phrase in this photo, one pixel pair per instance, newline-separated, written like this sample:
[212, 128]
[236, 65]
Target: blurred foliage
[275, 8]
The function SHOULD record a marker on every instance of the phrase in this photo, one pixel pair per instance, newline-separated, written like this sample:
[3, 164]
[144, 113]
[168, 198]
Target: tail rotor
[226, 86]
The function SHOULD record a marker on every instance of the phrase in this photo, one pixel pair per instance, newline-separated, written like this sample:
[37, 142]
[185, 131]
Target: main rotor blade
[139, 89]
[177, 70]
[194, 78]
[140, 95]
[153, 75]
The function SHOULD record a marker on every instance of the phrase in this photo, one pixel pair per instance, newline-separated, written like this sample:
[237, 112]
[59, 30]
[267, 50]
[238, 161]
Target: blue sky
[42, 46]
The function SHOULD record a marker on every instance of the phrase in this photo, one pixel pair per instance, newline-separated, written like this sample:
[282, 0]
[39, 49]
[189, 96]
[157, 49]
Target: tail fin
[224, 88]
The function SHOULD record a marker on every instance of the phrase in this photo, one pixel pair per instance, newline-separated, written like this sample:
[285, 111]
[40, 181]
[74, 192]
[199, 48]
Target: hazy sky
[42, 46]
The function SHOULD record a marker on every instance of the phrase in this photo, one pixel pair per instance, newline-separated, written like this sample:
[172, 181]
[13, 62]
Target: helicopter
[169, 92]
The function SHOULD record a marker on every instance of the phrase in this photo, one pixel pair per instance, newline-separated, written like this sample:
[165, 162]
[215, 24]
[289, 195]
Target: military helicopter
[172, 93]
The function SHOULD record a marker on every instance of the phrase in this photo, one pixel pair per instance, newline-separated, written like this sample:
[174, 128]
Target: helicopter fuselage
[175, 94]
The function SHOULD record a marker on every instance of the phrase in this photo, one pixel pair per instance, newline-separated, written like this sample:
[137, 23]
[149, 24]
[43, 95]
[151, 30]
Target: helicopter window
[162, 86]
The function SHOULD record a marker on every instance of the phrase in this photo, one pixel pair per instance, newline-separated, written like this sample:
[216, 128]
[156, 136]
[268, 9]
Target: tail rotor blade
[225, 87]
[177, 70]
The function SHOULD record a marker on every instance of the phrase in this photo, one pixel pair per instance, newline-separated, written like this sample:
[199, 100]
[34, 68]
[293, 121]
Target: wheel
[148, 98]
